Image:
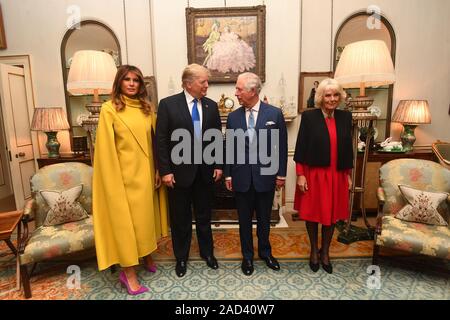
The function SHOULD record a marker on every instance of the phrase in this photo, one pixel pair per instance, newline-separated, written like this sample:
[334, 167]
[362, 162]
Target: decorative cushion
[64, 206]
[422, 206]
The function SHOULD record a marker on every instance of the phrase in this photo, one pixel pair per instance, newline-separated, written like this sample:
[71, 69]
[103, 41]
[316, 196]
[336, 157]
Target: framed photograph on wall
[150, 85]
[227, 41]
[2, 31]
[307, 88]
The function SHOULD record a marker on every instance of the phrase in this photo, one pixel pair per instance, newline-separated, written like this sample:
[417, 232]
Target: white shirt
[190, 103]
[255, 111]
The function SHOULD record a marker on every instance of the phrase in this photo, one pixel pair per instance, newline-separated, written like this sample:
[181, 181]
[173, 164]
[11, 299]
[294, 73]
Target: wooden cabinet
[374, 162]
[45, 161]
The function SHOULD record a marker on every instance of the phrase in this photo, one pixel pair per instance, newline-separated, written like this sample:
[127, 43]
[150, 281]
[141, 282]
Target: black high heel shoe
[314, 266]
[327, 267]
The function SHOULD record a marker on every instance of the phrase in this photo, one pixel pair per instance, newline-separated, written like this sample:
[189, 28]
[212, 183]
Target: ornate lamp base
[52, 144]
[354, 233]
[407, 137]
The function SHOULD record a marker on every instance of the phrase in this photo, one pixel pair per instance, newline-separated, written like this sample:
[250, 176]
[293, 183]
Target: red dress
[326, 200]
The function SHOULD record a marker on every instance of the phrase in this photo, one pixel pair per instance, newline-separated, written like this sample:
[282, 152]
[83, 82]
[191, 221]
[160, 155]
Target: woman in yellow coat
[129, 207]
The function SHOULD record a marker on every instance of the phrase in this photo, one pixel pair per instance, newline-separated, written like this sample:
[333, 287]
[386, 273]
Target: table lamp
[91, 72]
[50, 120]
[411, 113]
[362, 64]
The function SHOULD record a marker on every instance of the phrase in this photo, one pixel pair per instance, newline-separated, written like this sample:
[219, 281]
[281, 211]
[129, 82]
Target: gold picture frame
[152, 91]
[2, 31]
[306, 85]
[214, 35]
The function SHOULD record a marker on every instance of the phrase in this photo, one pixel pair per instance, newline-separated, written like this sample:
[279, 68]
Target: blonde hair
[328, 83]
[191, 72]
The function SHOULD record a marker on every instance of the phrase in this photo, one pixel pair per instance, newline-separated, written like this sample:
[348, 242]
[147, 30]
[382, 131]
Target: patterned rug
[294, 281]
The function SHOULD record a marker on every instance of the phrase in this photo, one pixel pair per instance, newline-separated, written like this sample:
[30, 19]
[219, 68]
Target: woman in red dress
[324, 159]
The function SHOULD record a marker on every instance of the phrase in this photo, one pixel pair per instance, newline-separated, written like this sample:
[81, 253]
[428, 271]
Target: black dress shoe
[211, 262]
[272, 263]
[180, 268]
[247, 267]
[327, 267]
[314, 266]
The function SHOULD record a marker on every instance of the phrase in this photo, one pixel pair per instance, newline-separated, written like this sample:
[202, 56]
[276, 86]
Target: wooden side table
[45, 161]
[9, 221]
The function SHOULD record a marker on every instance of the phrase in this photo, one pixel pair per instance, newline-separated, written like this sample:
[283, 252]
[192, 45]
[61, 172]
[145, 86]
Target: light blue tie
[196, 120]
[251, 126]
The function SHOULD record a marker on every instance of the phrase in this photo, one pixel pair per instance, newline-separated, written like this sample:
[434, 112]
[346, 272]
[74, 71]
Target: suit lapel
[184, 111]
[205, 112]
[139, 134]
[260, 121]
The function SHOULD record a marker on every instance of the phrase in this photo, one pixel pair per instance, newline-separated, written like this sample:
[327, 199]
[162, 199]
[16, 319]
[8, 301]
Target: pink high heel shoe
[124, 281]
[151, 268]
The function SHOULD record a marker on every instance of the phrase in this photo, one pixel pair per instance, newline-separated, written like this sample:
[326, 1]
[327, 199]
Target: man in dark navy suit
[247, 171]
[191, 182]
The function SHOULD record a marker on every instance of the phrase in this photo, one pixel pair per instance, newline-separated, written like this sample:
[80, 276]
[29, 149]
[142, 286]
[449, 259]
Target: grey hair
[328, 83]
[191, 72]
[252, 81]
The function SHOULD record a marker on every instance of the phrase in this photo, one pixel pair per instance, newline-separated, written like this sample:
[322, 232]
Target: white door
[15, 102]
[5, 178]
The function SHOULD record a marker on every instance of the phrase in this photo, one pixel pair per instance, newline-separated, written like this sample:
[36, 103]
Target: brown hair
[142, 95]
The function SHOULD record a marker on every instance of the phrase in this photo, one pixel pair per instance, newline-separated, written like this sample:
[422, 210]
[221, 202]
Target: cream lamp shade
[412, 112]
[91, 72]
[364, 64]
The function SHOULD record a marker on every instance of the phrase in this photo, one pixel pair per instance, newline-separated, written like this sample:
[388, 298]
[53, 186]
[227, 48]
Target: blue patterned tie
[196, 120]
[251, 126]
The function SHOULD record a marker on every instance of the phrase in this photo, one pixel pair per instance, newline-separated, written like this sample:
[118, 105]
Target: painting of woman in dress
[230, 53]
[227, 41]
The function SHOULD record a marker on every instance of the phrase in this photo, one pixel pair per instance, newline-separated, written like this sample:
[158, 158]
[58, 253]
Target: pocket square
[270, 123]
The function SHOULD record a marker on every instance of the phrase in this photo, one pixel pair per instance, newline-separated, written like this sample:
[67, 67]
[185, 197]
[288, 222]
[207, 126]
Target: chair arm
[381, 196]
[29, 211]
[28, 216]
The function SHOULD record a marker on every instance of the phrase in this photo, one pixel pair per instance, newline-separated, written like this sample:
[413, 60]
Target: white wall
[299, 37]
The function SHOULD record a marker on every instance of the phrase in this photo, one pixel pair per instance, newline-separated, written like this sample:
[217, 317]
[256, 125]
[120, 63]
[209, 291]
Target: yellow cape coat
[129, 214]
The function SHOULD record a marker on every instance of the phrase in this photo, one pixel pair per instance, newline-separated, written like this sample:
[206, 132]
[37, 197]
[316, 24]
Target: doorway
[18, 145]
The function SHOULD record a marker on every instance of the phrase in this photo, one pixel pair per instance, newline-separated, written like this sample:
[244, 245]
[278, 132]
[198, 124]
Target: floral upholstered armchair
[61, 210]
[429, 180]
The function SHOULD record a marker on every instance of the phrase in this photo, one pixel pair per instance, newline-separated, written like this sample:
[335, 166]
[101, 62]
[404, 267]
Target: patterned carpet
[294, 281]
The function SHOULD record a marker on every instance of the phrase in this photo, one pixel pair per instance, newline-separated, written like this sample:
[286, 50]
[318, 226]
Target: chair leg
[25, 281]
[375, 255]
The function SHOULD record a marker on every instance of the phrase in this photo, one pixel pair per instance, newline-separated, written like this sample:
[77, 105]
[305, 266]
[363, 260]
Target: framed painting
[227, 41]
[150, 86]
[307, 88]
[2, 32]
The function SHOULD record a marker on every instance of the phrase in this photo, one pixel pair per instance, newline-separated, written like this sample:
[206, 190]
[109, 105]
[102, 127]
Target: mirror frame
[65, 72]
[393, 52]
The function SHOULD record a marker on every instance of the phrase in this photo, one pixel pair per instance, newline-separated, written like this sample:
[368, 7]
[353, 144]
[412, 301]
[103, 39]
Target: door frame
[24, 61]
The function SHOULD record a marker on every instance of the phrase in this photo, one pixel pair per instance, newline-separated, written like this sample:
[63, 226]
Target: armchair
[412, 237]
[50, 242]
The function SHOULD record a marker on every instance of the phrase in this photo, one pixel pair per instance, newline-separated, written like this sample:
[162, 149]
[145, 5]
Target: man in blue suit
[255, 166]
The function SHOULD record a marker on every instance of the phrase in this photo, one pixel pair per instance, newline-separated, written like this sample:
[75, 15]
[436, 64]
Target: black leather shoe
[247, 267]
[314, 266]
[211, 262]
[327, 267]
[180, 268]
[272, 263]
